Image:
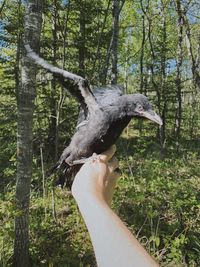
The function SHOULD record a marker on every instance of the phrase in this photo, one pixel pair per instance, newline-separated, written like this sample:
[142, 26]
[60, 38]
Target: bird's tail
[61, 170]
[54, 169]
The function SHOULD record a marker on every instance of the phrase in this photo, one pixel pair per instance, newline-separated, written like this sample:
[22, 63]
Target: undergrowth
[157, 197]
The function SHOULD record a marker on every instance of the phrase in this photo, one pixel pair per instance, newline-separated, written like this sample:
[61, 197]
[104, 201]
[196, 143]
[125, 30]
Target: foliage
[159, 200]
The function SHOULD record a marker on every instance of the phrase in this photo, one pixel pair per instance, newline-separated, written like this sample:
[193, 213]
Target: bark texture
[179, 53]
[26, 96]
[53, 134]
[182, 11]
[112, 50]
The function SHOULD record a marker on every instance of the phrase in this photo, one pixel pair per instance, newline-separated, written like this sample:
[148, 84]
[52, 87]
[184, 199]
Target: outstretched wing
[107, 95]
[79, 88]
[104, 96]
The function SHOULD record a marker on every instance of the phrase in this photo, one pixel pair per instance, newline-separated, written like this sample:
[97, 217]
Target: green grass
[157, 197]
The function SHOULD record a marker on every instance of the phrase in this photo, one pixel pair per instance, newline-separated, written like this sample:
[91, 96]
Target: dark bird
[105, 112]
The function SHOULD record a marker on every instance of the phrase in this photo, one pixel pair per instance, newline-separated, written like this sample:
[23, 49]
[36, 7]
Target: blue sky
[2, 32]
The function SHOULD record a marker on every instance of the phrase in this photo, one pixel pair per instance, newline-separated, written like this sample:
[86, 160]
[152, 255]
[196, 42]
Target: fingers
[108, 154]
[113, 164]
[106, 157]
[110, 187]
[114, 176]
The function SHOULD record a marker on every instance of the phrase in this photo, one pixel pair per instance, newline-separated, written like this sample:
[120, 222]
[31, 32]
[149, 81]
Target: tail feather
[66, 176]
[54, 169]
[62, 170]
[65, 172]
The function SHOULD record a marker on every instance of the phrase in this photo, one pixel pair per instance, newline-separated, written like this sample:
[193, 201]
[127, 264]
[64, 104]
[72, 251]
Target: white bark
[26, 96]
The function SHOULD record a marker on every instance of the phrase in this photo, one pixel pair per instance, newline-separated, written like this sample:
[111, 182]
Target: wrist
[85, 195]
[89, 201]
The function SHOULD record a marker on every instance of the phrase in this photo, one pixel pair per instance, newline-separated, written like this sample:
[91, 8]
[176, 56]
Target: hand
[93, 187]
[97, 178]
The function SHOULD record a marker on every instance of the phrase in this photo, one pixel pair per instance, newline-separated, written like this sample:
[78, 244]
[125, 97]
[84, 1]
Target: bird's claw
[79, 161]
[92, 159]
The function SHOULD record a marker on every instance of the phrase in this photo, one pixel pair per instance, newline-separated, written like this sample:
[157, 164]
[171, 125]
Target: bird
[104, 114]
[97, 131]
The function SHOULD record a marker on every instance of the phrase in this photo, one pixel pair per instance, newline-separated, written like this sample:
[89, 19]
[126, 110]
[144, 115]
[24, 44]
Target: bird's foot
[79, 161]
[93, 158]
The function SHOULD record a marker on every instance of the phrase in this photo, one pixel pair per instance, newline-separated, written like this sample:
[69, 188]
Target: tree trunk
[81, 47]
[52, 137]
[159, 88]
[193, 62]
[64, 49]
[163, 77]
[26, 96]
[179, 56]
[153, 59]
[17, 61]
[142, 78]
[115, 36]
[104, 73]
[113, 47]
[142, 56]
[98, 50]
[117, 7]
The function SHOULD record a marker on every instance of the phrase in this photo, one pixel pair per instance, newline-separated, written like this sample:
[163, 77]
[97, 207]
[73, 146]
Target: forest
[148, 46]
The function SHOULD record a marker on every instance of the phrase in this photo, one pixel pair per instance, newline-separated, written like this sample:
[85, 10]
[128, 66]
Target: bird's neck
[127, 104]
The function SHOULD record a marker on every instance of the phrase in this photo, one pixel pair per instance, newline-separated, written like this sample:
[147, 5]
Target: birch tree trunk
[26, 96]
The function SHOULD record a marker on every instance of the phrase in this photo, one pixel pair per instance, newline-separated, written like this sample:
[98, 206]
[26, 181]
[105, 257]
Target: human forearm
[113, 243]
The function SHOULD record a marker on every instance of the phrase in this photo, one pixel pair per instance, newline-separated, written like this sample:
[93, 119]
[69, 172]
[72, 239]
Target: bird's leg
[93, 158]
[79, 161]
[82, 124]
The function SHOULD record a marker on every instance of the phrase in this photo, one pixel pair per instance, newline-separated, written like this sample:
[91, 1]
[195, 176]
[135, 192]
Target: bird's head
[139, 106]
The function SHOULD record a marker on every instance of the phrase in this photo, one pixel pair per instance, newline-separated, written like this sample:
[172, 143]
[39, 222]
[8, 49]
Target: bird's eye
[139, 107]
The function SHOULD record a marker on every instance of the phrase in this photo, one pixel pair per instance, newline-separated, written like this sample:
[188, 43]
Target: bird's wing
[82, 118]
[75, 84]
[107, 95]
[104, 96]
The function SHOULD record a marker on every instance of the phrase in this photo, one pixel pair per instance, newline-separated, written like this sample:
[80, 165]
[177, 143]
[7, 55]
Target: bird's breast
[108, 137]
[101, 131]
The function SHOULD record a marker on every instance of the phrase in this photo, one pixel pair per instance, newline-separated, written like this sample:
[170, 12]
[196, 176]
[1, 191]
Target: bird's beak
[151, 115]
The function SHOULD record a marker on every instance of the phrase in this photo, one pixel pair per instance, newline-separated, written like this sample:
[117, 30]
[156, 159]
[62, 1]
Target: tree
[178, 73]
[112, 51]
[53, 132]
[26, 96]
[182, 11]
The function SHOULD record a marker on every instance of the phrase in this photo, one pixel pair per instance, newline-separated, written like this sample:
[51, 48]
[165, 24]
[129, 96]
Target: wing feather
[78, 87]
[104, 96]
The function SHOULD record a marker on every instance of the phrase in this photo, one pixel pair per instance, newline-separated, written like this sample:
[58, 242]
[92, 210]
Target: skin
[93, 187]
